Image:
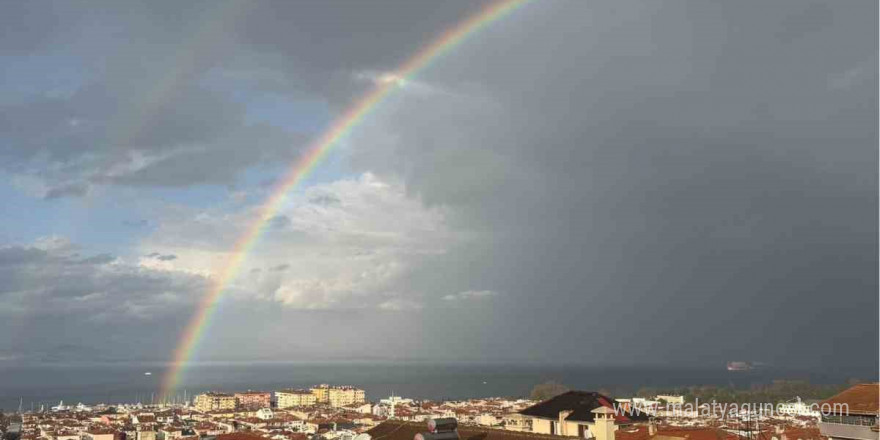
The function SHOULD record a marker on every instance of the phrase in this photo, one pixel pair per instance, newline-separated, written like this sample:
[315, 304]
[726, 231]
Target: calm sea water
[127, 383]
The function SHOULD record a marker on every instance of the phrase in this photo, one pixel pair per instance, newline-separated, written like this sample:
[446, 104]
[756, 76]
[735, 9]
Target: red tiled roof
[641, 433]
[240, 436]
[861, 399]
[398, 430]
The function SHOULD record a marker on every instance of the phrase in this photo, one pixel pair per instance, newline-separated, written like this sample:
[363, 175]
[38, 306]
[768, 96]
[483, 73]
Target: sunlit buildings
[292, 398]
[214, 402]
[253, 399]
[338, 396]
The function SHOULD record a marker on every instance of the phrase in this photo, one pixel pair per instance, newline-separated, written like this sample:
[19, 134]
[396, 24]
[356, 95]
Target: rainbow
[342, 126]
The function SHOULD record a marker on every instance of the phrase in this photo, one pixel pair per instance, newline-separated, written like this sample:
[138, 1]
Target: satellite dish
[362, 436]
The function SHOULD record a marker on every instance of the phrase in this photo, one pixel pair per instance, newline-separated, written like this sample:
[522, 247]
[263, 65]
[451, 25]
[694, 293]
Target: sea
[46, 385]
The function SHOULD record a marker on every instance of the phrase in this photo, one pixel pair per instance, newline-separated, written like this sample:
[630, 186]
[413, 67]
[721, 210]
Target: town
[326, 412]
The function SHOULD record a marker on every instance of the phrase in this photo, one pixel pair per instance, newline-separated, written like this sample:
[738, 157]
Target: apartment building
[292, 398]
[214, 402]
[338, 396]
[253, 399]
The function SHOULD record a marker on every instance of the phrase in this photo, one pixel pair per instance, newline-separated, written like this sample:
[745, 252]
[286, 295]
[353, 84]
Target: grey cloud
[162, 257]
[157, 111]
[97, 259]
[279, 222]
[280, 268]
[16, 255]
[72, 190]
[325, 200]
[470, 294]
[693, 175]
[76, 298]
[140, 223]
[146, 117]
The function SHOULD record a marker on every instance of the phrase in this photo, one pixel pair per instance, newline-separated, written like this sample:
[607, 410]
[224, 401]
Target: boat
[148, 373]
[739, 366]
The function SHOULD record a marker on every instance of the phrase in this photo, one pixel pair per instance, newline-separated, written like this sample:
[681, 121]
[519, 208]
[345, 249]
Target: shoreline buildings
[293, 398]
[338, 396]
[214, 401]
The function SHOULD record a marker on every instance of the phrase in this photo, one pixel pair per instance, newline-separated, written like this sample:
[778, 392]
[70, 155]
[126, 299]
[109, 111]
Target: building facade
[292, 398]
[338, 396]
[253, 399]
[214, 402]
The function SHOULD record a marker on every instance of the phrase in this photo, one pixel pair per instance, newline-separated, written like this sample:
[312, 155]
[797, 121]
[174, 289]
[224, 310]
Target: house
[851, 414]
[571, 414]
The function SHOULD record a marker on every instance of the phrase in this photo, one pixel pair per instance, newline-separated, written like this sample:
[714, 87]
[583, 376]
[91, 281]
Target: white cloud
[470, 294]
[407, 84]
[347, 244]
[399, 305]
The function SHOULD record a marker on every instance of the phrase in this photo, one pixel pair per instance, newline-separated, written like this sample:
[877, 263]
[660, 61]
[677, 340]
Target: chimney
[603, 423]
[560, 426]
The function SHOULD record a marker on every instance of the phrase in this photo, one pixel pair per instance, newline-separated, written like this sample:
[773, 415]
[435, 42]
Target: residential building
[338, 396]
[214, 402]
[670, 399]
[852, 414]
[253, 399]
[265, 414]
[571, 414]
[517, 422]
[292, 398]
[797, 407]
[321, 392]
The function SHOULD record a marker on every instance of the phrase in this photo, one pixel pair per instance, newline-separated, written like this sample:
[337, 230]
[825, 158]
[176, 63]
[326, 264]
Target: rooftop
[399, 430]
[581, 404]
[861, 399]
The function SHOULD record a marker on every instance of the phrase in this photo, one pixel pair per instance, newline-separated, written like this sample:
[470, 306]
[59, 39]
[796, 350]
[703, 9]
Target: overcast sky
[603, 182]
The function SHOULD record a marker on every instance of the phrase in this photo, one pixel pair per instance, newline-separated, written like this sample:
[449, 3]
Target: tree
[547, 390]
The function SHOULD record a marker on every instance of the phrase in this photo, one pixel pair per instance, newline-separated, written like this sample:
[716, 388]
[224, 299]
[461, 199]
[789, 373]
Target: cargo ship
[739, 366]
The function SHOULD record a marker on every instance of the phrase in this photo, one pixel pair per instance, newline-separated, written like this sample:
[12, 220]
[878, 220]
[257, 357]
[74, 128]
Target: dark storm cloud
[143, 114]
[693, 190]
[149, 110]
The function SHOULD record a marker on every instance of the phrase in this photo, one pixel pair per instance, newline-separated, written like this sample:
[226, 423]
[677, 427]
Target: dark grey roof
[580, 403]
